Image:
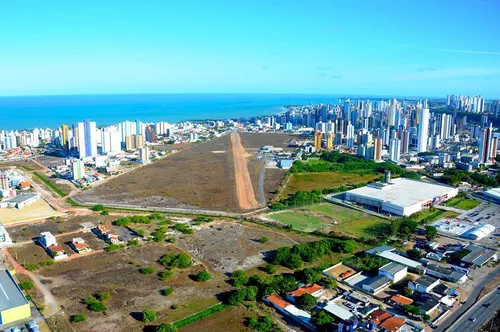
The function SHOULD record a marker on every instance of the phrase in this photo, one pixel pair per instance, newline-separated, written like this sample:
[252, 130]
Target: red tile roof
[307, 289]
[56, 248]
[379, 316]
[278, 301]
[80, 245]
[392, 324]
[403, 300]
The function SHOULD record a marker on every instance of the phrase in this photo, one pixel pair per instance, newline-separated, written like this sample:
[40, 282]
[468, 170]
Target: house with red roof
[314, 290]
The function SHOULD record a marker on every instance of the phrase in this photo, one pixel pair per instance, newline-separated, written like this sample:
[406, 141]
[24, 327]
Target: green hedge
[199, 315]
[50, 184]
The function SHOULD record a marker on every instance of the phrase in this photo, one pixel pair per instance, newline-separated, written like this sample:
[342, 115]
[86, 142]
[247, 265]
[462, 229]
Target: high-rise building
[394, 149]
[377, 149]
[329, 141]
[435, 142]
[318, 136]
[405, 141]
[4, 180]
[144, 155]
[87, 139]
[65, 137]
[78, 169]
[485, 145]
[495, 108]
[134, 142]
[423, 130]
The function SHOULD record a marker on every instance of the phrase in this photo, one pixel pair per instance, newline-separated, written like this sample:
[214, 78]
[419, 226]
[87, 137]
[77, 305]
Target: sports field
[330, 217]
[37, 210]
[321, 180]
[462, 203]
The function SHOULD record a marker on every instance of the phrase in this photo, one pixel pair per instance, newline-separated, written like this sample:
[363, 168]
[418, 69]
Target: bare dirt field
[131, 291]
[232, 319]
[233, 246]
[60, 225]
[195, 178]
[244, 188]
[258, 140]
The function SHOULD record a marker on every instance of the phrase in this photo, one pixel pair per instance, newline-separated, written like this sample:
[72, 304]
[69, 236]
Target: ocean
[28, 112]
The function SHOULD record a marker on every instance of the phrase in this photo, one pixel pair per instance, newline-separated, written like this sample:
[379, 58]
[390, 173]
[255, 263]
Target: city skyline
[358, 47]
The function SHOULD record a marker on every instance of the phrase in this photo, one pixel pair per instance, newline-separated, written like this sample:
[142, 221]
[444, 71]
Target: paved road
[479, 312]
[452, 318]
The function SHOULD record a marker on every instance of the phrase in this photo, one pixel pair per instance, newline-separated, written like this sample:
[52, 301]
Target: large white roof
[338, 311]
[403, 192]
[495, 193]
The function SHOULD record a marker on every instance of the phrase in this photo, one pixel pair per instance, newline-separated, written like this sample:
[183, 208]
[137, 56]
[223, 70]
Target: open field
[27, 165]
[37, 210]
[331, 217]
[257, 140]
[244, 188]
[232, 246]
[231, 319]
[193, 178]
[131, 292]
[62, 224]
[463, 203]
[321, 180]
[433, 215]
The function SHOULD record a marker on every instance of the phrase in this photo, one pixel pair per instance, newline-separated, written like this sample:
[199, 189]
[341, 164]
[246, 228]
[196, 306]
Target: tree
[97, 307]
[239, 278]
[166, 328]
[203, 276]
[98, 207]
[414, 254]
[407, 291]
[431, 232]
[270, 268]
[308, 275]
[306, 302]
[26, 285]
[148, 316]
[412, 309]
[167, 291]
[81, 317]
[321, 319]
[164, 275]
[329, 282]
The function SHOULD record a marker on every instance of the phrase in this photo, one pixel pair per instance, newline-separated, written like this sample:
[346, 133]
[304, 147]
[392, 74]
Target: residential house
[377, 284]
[47, 239]
[80, 246]
[424, 284]
[112, 237]
[314, 289]
[401, 300]
[445, 273]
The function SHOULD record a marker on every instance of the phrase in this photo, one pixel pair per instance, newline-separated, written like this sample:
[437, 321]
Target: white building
[47, 239]
[394, 149]
[394, 271]
[423, 130]
[78, 169]
[402, 197]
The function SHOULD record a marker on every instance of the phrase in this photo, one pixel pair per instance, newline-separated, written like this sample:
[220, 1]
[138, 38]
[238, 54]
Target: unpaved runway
[244, 188]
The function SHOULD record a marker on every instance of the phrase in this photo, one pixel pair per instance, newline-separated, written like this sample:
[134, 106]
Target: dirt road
[244, 187]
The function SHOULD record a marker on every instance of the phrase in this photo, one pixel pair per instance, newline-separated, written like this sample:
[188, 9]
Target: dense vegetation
[453, 176]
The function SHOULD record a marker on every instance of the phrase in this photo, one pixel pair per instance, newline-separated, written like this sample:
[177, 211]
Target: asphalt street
[471, 300]
[479, 313]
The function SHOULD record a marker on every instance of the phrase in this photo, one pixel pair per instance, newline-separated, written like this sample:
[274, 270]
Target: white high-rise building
[394, 149]
[78, 169]
[423, 130]
[87, 139]
[350, 136]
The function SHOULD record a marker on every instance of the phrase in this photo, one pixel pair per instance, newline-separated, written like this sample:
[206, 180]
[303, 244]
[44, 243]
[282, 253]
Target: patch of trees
[404, 227]
[306, 302]
[431, 232]
[458, 255]
[454, 176]
[258, 286]
[414, 254]
[203, 276]
[366, 262]
[172, 260]
[321, 319]
[262, 324]
[295, 256]
[126, 221]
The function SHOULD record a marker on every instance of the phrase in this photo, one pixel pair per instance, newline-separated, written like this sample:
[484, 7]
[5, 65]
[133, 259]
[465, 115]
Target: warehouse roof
[22, 198]
[11, 295]
[392, 256]
[398, 192]
[425, 281]
[392, 268]
[478, 255]
[338, 311]
[378, 281]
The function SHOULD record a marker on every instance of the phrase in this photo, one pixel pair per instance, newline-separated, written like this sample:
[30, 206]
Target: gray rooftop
[10, 294]
[392, 268]
[478, 255]
[376, 250]
[425, 281]
[378, 281]
[21, 198]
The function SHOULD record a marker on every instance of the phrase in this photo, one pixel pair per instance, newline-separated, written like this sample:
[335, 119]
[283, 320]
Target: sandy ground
[37, 210]
[244, 187]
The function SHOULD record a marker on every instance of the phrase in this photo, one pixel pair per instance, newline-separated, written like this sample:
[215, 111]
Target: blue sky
[420, 48]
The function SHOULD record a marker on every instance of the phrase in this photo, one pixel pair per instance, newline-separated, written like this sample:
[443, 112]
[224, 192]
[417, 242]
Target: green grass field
[321, 180]
[462, 203]
[323, 216]
[299, 221]
[433, 215]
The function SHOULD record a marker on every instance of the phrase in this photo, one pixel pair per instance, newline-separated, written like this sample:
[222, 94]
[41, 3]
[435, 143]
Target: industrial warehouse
[400, 196]
[13, 303]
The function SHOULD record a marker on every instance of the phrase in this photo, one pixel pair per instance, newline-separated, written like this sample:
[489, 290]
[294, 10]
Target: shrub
[164, 275]
[203, 276]
[148, 316]
[158, 236]
[81, 317]
[167, 291]
[263, 239]
[166, 328]
[97, 307]
[103, 296]
[29, 297]
[26, 285]
[270, 268]
[105, 213]
[239, 278]
[114, 247]
[31, 266]
[181, 260]
[47, 262]
[147, 270]
[90, 300]
[133, 242]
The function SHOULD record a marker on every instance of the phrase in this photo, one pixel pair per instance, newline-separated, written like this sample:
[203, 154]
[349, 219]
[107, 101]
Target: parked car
[472, 319]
